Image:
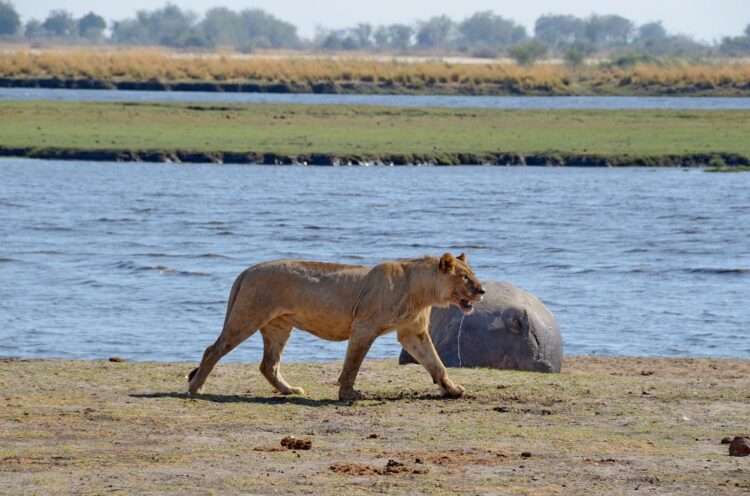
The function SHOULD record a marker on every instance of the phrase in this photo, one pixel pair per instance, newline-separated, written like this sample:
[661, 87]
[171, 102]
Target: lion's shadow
[281, 400]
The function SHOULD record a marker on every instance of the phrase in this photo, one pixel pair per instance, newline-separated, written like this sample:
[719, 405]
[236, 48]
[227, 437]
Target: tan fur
[339, 302]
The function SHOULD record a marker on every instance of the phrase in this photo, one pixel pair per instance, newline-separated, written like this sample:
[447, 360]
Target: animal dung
[292, 443]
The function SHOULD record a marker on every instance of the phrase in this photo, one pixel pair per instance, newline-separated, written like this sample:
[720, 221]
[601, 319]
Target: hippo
[509, 329]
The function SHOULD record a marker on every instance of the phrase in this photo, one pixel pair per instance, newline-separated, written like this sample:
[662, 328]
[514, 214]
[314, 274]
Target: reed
[553, 78]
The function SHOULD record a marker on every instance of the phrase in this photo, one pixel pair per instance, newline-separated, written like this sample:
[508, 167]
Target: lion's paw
[453, 391]
[294, 390]
[350, 395]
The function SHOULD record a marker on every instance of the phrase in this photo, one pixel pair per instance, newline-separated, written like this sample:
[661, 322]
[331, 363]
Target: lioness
[340, 302]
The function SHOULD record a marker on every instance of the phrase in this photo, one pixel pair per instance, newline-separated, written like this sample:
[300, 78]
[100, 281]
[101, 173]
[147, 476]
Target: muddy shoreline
[509, 87]
[396, 159]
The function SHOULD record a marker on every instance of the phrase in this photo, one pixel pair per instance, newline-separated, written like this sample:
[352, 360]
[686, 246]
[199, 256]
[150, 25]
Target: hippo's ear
[525, 320]
[516, 320]
[463, 258]
[447, 263]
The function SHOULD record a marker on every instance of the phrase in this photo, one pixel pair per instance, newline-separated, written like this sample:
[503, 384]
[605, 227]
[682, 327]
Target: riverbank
[150, 69]
[603, 426]
[346, 134]
[511, 87]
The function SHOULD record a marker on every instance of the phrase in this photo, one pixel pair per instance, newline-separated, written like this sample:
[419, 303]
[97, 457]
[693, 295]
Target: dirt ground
[603, 426]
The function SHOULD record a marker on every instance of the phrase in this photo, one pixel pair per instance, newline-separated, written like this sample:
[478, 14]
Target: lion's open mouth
[466, 306]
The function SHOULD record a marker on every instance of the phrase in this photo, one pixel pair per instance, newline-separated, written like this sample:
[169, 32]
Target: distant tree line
[168, 26]
[482, 34]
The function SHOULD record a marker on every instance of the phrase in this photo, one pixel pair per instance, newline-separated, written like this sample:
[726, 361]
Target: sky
[705, 20]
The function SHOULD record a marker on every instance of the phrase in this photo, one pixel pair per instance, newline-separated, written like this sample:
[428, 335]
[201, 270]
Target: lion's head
[463, 289]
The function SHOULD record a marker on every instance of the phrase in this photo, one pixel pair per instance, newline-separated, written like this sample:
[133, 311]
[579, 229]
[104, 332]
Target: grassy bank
[603, 426]
[158, 70]
[330, 134]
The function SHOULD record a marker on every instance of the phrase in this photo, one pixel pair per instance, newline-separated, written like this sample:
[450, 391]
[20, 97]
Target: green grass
[370, 131]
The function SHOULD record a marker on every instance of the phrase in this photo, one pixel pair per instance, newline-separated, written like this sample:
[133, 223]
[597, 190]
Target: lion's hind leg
[275, 335]
[235, 332]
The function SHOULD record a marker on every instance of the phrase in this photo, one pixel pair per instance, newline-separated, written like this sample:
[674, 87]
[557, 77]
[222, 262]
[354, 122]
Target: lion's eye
[466, 279]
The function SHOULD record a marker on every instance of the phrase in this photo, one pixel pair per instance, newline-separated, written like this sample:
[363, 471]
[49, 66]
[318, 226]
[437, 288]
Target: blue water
[136, 260]
[490, 102]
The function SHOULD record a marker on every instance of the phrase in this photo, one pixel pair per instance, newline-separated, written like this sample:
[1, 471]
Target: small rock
[117, 359]
[740, 446]
[726, 440]
[526, 454]
[292, 443]
[373, 436]
[502, 409]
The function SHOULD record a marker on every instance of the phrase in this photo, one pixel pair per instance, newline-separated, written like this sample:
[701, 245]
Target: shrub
[528, 53]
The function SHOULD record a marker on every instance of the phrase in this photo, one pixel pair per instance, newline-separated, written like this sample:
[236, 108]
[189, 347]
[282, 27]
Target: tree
[224, 27]
[91, 26]
[652, 32]
[608, 30]
[528, 53]
[381, 37]
[10, 22]
[266, 31]
[400, 36]
[576, 53]
[557, 31]
[363, 34]
[747, 31]
[130, 31]
[334, 40]
[487, 29]
[60, 23]
[169, 25]
[738, 46]
[683, 46]
[33, 29]
[435, 32]
[394, 36]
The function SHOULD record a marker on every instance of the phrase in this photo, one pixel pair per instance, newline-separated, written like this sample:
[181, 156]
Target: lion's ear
[447, 263]
[463, 258]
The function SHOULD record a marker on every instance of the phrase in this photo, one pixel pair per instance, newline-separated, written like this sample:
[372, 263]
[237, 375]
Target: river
[445, 101]
[136, 260]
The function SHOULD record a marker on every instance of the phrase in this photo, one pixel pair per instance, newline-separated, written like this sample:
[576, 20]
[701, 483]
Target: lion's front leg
[416, 340]
[361, 340]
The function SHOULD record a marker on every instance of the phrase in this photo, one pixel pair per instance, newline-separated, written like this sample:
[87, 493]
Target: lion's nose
[481, 291]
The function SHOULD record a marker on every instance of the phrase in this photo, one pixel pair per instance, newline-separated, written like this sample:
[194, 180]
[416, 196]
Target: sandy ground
[603, 426]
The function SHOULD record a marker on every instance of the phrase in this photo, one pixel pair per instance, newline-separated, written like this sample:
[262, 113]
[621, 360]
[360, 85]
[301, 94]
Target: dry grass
[155, 64]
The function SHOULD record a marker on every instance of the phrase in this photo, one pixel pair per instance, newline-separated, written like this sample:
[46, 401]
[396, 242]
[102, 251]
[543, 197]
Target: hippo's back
[509, 329]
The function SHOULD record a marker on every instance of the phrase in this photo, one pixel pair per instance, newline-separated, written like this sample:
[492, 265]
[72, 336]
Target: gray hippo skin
[509, 329]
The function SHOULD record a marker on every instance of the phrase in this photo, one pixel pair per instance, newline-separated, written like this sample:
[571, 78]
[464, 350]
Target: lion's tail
[233, 296]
